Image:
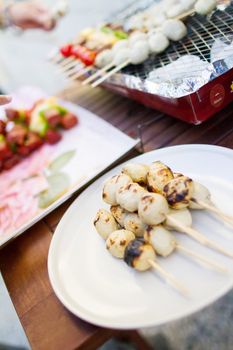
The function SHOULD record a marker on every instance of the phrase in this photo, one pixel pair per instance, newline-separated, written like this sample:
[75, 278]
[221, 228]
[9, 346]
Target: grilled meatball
[138, 254]
[179, 192]
[204, 7]
[121, 44]
[139, 52]
[112, 185]
[137, 172]
[174, 29]
[105, 223]
[121, 56]
[152, 209]
[119, 214]
[133, 223]
[136, 37]
[163, 242]
[183, 216]
[104, 58]
[117, 242]
[158, 42]
[200, 194]
[158, 176]
[128, 196]
[175, 10]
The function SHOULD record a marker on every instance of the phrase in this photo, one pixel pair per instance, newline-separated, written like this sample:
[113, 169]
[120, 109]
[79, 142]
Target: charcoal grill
[197, 106]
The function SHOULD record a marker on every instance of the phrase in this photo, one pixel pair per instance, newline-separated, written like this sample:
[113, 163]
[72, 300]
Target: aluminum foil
[184, 75]
[179, 78]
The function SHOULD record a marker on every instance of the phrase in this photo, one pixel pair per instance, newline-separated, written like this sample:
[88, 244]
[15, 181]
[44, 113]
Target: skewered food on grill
[203, 7]
[174, 29]
[158, 42]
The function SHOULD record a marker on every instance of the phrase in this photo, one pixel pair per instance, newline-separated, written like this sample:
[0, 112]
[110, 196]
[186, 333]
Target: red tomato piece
[66, 50]
[12, 114]
[5, 151]
[69, 120]
[53, 117]
[2, 127]
[17, 134]
[33, 141]
[52, 137]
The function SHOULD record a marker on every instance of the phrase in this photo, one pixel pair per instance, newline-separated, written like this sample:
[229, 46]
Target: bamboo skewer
[56, 59]
[186, 14]
[169, 277]
[199, 237]
[73, 70]
[212, 208]
[202, 258]
[68, 60]
[80, 73]
[70, 65]
[109, 74]
[66, 69]
[97, 74]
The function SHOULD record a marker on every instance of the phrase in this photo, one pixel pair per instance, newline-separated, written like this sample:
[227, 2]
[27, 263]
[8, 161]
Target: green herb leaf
[106, 30]
[120, 34]
[61, 161]
[62, 110]
[58, 185]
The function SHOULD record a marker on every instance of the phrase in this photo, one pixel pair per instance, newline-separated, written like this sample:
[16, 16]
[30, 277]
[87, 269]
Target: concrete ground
[23, 62]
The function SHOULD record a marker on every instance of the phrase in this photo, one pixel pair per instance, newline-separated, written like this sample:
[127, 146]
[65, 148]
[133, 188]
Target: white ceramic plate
[105, 291]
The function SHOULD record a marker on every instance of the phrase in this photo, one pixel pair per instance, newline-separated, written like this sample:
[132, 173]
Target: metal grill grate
[202, 32]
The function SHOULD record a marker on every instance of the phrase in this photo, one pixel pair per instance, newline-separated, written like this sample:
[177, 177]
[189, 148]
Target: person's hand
[31, 15]
[4, 99]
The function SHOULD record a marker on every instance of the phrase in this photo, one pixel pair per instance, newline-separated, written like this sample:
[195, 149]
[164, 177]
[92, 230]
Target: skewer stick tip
[169, 278]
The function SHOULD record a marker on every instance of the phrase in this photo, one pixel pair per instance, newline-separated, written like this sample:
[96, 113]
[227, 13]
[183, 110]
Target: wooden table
[23, 262]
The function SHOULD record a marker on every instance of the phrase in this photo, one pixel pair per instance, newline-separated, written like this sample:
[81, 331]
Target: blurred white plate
[105, 291]
[83, 153]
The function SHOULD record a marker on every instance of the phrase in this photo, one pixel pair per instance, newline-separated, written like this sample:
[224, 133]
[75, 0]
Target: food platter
[47, 177]
[105, 291]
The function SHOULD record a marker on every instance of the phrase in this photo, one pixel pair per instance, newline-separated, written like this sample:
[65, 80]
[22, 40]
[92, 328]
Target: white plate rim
[143, 324]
